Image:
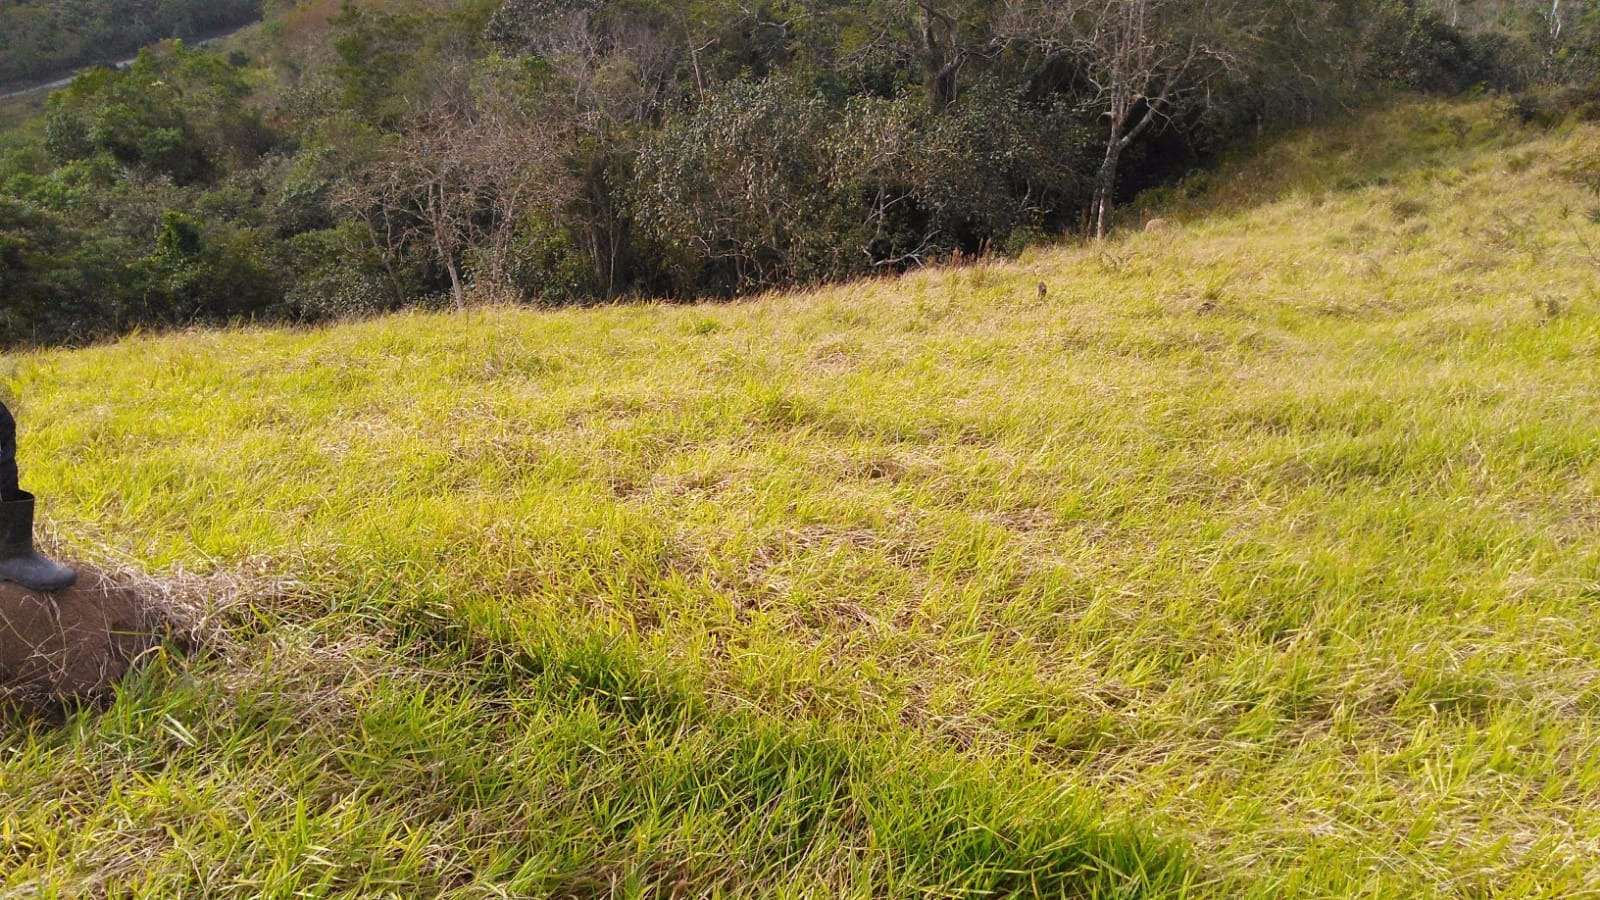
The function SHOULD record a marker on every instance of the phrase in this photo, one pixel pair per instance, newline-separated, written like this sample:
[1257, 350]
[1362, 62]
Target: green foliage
[397, 58]
[549, 265]
[767, 184]
[175, 112]
[368, 155]
[1415, 48]
[196, 276]
[145, 168]
[50, 276]
[737, 194]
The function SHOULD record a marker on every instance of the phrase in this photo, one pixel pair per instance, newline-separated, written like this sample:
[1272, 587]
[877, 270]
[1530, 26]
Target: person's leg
[19, 562]
[9, 488]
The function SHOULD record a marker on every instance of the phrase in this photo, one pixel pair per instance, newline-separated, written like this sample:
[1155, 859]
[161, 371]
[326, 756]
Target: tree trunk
[944, 59]
[1122, 136]
[444, 239]
[1105, 187]
[457, 292]
[394, 279]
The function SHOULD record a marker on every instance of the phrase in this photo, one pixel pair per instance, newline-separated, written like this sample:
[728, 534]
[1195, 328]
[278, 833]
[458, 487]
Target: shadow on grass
[313, 760]
[755, 804]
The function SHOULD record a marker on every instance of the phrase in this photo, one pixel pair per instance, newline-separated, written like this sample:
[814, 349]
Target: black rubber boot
[18, 560]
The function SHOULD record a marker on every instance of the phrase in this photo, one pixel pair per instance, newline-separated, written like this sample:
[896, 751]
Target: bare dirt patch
[75, 645]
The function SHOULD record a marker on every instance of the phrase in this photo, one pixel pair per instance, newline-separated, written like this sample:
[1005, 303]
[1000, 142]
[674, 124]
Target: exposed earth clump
[74, 646]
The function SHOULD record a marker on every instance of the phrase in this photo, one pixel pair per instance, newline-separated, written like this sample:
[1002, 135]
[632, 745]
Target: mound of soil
[72, 645]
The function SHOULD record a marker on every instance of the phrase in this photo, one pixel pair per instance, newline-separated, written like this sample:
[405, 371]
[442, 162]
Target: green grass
[1259, 558]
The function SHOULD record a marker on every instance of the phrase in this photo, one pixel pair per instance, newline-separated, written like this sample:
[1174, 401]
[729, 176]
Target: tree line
[364, 156]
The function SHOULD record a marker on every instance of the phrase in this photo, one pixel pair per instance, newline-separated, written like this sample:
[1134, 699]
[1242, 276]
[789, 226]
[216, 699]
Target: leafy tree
[738, 189]
[48, 277]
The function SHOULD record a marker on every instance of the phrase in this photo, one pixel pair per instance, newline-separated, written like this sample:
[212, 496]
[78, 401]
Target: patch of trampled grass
[1259, 556]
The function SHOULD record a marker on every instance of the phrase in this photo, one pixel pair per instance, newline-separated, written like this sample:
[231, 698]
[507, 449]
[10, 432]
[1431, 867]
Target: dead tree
[458, 184]
[1143, 59]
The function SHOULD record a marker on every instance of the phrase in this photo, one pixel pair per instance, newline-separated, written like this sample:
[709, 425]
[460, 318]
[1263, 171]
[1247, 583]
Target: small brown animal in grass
[1157, 225]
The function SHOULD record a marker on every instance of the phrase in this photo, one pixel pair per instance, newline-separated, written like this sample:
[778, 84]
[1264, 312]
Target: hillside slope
[1257, 556]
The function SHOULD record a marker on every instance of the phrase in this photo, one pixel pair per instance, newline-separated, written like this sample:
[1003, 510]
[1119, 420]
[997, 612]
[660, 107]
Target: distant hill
[44, 39]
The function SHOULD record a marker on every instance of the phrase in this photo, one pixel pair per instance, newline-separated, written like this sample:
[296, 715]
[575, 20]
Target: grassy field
[1259, 557]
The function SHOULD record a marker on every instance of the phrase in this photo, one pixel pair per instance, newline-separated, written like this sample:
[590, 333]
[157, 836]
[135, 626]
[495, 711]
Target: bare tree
[459, 183]
[521, 157]
[617, 73]
[1143, 59]
[431, 181]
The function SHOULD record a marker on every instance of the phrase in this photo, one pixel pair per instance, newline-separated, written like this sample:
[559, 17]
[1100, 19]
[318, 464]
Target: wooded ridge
[354, 157]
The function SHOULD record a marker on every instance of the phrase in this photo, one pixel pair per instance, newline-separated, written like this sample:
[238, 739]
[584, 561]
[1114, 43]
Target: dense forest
[45, 38]
[364, 156]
